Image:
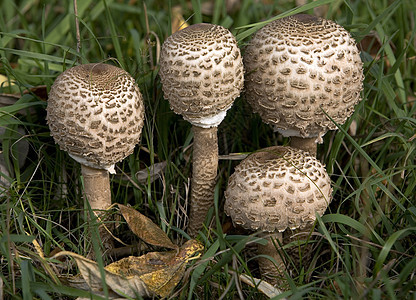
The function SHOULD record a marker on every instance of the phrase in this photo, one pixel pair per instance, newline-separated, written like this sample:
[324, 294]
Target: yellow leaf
[155, 273]
[4, 81]
[164, 280]
[178, 22]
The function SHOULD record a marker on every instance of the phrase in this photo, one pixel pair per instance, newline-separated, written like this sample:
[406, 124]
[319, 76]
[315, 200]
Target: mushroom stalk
[204, 172]
[98, 194]
[272, 272]
[96, 188]
[305, 144]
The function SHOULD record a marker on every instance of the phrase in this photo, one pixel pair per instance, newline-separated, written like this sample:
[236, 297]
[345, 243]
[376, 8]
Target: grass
[365, 246]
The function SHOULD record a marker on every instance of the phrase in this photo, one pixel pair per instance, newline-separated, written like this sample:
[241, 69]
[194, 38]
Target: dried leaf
[78, 282]
[153, 172]
[90, 271]
[145, 229]
[8, 99]
[164, 280]
[144, 264]
[155, 273]
[233, 156]
[178, 22]
[4, 81]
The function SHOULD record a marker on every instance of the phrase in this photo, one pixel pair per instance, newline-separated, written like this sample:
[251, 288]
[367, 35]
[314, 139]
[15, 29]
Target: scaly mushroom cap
[277, 188]
[201, 71]
[95, 112]
[298, 66]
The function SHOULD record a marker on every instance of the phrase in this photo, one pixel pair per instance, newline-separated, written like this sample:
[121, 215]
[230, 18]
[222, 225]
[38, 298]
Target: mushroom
[95, 113]
[275, 189]
[299, 70]
[201, 71]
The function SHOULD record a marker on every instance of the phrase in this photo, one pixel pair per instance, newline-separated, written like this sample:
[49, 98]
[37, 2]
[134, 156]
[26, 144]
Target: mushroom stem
[96, 187]
[273, 273]
[98, 194]
[204, 173]
[305, 144]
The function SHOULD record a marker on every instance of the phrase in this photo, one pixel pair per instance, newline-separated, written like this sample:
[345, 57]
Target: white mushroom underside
[110, 168]
[208, 122]
[294, 132]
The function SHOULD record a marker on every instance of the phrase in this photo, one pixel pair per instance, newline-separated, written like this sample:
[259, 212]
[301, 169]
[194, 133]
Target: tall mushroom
[275, 189]
[201, 71]
[299, 69]
[95, 112]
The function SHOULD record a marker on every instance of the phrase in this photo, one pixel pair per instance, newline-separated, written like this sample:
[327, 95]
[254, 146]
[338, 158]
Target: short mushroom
[275, 189]
[201, 71]
[299, 70]
[95, 112]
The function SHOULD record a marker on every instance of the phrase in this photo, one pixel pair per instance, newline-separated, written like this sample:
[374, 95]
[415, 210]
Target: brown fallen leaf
[155, 273]
[145, 229]
[160, 271]
[152, 173]
[163, 281]
[90, 271]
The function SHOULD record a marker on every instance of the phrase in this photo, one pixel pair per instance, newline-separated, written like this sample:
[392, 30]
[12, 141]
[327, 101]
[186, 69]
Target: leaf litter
[154, 273]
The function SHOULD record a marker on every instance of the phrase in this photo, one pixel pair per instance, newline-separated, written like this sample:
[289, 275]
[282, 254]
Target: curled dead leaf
[145, 229]
[117, 285]
[152, 172]
[155, 273]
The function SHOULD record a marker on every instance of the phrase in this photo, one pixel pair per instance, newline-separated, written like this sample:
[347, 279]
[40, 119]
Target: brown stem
[77, 30]
[204, 172]
[305, 144]
[271, 271]
[98, 193]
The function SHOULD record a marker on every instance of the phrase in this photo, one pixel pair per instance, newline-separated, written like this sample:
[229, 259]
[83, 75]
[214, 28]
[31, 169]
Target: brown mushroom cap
[201, 70]
[298, 66]
[277, 188]
[95, 112]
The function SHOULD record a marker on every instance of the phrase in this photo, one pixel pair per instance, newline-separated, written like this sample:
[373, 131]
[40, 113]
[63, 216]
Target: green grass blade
[256, 26]
[346, 220]
[389, 244]
[114, 37]
[196, 8]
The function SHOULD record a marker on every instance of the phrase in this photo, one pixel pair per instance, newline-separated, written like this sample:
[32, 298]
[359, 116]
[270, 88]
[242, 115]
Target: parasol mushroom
[95, 113]
[275, 189]
[300, 70]
[201, 71]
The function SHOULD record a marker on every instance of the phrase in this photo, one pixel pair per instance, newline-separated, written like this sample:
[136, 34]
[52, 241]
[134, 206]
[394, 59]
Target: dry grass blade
[263, 286]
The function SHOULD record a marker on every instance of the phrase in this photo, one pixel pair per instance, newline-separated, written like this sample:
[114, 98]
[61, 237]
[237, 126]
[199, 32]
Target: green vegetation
[365, 246]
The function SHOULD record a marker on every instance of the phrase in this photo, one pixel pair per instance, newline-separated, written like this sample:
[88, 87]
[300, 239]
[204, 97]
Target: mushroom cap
[277, 188]
[298, 66]
[95, 112]
[201, 71]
